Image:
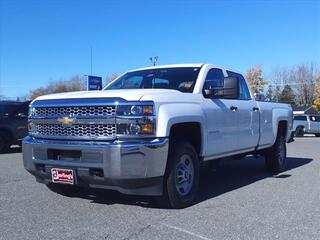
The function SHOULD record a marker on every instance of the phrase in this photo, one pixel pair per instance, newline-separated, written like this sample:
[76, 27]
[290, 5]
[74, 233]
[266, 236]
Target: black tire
[275, 157]
[4, 142]
[176, 196]
[64, 189]
[299, 132]
[317, 134]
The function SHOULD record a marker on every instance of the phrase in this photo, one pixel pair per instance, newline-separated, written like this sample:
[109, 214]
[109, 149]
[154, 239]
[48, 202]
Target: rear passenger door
[248, 129]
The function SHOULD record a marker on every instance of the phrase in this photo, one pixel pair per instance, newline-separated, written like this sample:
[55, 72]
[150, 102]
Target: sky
[43, 41]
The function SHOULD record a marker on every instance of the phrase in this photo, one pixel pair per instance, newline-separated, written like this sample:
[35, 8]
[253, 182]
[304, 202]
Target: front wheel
[317, 134]
[275, 157]
[182, 176]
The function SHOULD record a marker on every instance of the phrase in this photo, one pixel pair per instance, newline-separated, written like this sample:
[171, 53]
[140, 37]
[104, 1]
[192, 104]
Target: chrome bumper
[131, 167]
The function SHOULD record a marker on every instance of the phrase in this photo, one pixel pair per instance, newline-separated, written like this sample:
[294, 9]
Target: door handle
[233, 108]
[255, 109]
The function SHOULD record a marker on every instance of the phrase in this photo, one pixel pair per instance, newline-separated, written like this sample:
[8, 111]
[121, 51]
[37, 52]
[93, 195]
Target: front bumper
[131, 167]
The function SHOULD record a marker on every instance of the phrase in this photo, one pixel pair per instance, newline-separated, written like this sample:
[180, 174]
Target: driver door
[221, 118]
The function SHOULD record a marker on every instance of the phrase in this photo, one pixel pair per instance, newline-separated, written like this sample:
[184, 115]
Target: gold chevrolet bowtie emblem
[66, 120]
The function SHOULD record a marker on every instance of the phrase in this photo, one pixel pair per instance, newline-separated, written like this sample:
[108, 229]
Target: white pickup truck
[149, 131]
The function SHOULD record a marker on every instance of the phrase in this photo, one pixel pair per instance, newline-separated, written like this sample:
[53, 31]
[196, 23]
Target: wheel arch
[190, 132]
[189, 115]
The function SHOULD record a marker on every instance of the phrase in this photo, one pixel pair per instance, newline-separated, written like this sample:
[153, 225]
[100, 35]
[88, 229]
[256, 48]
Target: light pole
[91, 60]
[154, 60]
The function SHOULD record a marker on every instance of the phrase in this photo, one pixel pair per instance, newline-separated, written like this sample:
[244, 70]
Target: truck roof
[195, 65]
[170, 66]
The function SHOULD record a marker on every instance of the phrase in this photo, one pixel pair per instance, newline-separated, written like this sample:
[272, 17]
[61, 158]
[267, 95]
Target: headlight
[135, 110]
[135, 119]
[32, 111]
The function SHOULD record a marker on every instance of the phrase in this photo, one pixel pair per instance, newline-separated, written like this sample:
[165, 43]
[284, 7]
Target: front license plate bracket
[61, 175]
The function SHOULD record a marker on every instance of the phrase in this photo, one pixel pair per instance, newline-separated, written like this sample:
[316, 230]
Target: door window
[244, 93]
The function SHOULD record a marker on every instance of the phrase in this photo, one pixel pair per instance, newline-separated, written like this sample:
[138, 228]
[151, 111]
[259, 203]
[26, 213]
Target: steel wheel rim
[184, 175]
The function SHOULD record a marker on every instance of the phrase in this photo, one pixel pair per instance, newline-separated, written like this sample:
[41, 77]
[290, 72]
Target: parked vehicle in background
[306, 124]
[148, 132]
[13, 123]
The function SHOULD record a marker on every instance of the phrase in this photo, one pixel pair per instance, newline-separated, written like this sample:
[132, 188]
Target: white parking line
[186, 231]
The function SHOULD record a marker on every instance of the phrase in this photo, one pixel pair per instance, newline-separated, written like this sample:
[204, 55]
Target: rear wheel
[275, 157]
[317, 134]
[64, 189]
[4, 142]
[182, 176]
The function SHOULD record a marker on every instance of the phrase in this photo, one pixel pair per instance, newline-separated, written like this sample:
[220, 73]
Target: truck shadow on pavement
[232, 175]
[229, 176]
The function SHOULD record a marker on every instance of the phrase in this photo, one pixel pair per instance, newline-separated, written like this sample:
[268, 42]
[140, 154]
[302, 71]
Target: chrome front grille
[78, 122]
[85, 111]
[75, 131]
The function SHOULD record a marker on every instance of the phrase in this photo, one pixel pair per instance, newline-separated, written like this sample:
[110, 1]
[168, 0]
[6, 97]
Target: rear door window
[314, 118]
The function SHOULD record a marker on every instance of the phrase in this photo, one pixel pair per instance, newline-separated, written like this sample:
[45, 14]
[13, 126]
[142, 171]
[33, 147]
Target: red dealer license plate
[62, 175]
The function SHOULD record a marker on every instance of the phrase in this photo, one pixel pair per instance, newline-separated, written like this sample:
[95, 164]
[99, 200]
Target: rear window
[300, 118]
[314, 118]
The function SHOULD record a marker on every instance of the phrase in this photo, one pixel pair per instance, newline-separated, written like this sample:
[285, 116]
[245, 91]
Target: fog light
[134, 128]
[147, 128]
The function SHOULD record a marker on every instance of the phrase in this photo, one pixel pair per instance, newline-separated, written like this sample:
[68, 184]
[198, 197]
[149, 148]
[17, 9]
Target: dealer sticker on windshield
[62, 175]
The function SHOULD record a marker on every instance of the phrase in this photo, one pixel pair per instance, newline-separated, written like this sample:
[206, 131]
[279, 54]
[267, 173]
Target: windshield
[182, 79]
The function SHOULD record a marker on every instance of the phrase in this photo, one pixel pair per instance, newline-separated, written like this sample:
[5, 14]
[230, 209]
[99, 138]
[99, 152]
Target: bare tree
[75, 83]
[279, 77]
[304, 78]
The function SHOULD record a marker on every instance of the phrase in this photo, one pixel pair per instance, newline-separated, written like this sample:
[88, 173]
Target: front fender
[173, 113]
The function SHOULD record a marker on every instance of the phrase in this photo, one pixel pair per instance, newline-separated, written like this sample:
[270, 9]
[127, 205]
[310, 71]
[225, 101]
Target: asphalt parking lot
[239, 201]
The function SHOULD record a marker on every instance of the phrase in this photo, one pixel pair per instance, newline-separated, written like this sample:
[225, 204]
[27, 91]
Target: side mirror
[230, 89]
[208, 93]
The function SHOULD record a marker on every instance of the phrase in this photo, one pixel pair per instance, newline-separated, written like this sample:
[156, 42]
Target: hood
[127, 94]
